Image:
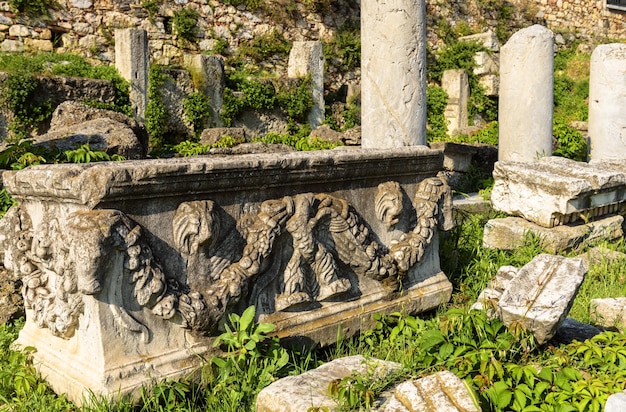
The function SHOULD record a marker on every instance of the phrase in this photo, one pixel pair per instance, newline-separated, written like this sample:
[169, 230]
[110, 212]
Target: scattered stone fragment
[609, 312]
[440, 392]
[214, 134]
[541, 294]
[599, 255]
[511, 232]
[489, 297]
[310, 389]
[572, 330]
[616, 402]
[71, 113]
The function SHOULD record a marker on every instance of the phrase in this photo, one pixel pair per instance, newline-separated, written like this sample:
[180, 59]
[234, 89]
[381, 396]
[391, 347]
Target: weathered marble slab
[439, 392]
[131, 268]
[541, 294]
[310, 390]
[554, 191]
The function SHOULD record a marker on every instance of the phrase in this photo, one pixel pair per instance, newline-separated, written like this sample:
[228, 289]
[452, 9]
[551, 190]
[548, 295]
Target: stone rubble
[537, 297]
[310, 390]
[439, 392]
[609, 312]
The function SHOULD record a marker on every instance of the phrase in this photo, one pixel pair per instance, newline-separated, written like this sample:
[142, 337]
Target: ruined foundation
[131, 268]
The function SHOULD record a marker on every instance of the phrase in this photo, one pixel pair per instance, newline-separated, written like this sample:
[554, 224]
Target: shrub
[197, 108]
[345, 47]
[32, 7]
[569, 142]
[156, 115]
[18, 96]
[436, 102]
[297, 101]
[185, 24]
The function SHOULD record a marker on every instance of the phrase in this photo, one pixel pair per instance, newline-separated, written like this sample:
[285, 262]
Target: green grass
[497, 363]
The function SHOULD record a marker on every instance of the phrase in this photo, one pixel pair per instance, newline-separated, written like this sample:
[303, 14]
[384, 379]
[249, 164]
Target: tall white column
[393, 73]
[526, 95]
[607, 102]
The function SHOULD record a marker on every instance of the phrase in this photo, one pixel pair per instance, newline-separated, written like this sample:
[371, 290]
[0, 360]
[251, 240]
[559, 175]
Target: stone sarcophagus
[130, 269]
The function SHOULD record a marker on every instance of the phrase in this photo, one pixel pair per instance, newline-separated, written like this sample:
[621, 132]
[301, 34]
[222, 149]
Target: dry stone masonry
[393, 67]
[129, 268]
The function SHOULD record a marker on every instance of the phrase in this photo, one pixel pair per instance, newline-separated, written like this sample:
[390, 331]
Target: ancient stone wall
[87, 26]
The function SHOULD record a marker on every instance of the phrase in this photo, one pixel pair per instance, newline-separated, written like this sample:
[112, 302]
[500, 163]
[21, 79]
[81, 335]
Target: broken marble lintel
[554, 190]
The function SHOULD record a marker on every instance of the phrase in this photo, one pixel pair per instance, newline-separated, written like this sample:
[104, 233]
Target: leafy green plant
[344, 47]
[17, 94]
[570, 142]
[85, 154]
[21, 154]
[6, 201]
[252, 361]
[189, 148]
[297, 101]
[156, 114]
[185, 24]
[197, 107]
[152, 8]
[437, 124]
[33, 8]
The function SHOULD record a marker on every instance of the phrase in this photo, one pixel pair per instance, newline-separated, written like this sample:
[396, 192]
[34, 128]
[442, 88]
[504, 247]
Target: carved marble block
[554, 191]
[131, 268]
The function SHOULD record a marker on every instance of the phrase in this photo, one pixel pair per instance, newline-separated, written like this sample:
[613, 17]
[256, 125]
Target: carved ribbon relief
[297, 250]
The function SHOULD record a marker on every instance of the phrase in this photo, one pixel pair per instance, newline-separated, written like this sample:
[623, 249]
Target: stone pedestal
[607, 102]
[393, 70]
[132, 60]
[130, 268]
[526, 95]
[306, 58]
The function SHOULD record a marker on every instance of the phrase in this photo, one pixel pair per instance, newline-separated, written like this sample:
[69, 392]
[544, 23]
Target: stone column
[607, 102]
[393, 73]
[307, 58]
[132, 60]
[526, 95]
[456, 85]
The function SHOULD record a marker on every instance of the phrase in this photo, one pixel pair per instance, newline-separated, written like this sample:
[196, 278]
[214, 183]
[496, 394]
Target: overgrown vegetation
[185, 24]
[33, 8]
[503, 366]
[155, 115]
[20, 94]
